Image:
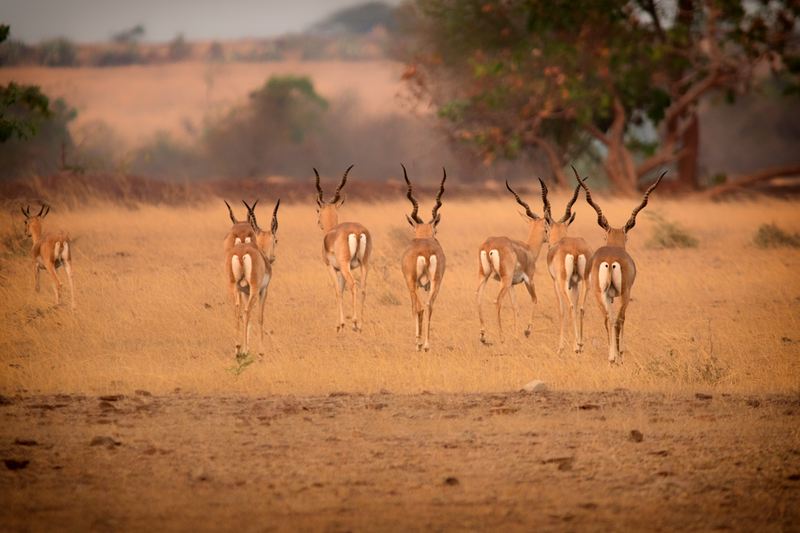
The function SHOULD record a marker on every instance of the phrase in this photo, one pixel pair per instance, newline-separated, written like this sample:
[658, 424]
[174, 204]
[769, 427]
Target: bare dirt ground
[344, 462]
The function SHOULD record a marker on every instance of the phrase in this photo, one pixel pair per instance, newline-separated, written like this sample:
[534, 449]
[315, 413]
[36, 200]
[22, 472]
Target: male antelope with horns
[345, 247]
[566, 261]
[612, 270]
[511, 262]
[423, 263]
[241, 231]
[50, 251]
[249, 269]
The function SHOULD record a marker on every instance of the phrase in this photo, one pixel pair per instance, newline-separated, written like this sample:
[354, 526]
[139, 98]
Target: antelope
[612, 271]
[249, 269]
[423, 262]
[240, 232]
[511, 262]
[566, 262]
[49, 251]
[345, 247]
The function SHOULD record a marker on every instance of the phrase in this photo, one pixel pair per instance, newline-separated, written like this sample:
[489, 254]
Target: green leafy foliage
[22, 109]
[668, 234]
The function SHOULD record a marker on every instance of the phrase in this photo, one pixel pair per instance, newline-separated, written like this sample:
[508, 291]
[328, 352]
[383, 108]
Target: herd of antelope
[609, 272]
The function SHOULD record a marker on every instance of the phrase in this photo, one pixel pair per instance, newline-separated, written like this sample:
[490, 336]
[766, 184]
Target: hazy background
[97, 20]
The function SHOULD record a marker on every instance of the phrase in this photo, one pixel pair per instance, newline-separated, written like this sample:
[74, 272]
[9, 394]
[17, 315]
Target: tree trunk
[618, 168]
[687, 162]
[553, 159]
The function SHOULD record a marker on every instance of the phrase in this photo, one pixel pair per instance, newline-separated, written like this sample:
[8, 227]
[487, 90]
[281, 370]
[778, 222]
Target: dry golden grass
[138, 101]
[153, 312]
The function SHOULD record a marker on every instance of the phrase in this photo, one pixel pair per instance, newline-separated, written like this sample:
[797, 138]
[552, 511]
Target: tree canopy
[562, 76]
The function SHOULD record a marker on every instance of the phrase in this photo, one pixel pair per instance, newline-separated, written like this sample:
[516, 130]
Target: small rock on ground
[535, 386]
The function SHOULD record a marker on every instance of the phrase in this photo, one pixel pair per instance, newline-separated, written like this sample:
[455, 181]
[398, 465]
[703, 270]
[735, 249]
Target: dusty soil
[551, 461]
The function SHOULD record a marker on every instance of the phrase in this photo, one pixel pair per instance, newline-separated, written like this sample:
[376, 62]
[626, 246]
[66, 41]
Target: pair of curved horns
[520, 201]
[410, 195]
[601, 219]
[251, 216]
[43, 211]
[567, 212]
[337, 194]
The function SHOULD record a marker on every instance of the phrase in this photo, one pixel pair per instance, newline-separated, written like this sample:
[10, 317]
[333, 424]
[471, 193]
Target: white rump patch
[421, 269]
[362, 247]
[265, 281]
[486, 268]
[432, 263]
[582, 266]
[603, 276]
[352, 242]
[237, 241]
[616, 276]
[236, 268]
[248, 266]
[57, 251]
[65, 252]
[569, 268]
[247, 240]
[494, 255]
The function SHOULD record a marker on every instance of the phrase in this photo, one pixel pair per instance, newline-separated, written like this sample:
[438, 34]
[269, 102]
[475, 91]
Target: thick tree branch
[747, 181]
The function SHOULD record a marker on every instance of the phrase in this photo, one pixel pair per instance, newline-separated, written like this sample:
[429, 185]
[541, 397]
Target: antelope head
[537, 226]
[267, 241]
[424, 229]
[241, 231]
[33, 223]
[327, 216]
[617, 236]
[557, 229]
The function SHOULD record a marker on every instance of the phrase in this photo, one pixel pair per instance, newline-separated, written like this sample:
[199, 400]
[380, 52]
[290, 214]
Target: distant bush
[668, 234]
[179, 49]
[17, 53]
[771, 236]
[118, 55]
[58, 53]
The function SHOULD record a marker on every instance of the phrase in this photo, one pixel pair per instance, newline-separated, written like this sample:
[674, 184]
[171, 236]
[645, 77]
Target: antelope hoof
[578, 348]
[528, 331]
[426, 347]
[356, 327]
[339, 327]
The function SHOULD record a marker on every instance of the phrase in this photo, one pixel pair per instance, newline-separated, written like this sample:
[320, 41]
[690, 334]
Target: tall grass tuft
[771, 236]
[667, 234]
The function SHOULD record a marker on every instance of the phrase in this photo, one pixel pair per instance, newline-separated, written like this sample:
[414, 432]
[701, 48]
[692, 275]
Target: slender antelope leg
[562, 314]
[506, 285]
[581, 310]
[338, 287]
[482, 279]
[237, 303]
[51, 269]
[532, 292]
[68, 269]
[574, 294]
[248, 309]
[36, 276]
[353, 286]
[512, 294]
[621, 324]
[611, 327]
[434, 290]
[364, 272]
[262, 304]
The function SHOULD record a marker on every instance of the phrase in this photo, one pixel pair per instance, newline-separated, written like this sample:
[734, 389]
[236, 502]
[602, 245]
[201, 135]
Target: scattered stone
[16, 464]
[207, 305]
[535, 386]
[25, 442]
[112, 397]
[140, 392]
[451, 481]
[199, 474]
[754, 403]
[564, 463]
[636, 436]
[108, 442]
[588, 407]
[703, 396]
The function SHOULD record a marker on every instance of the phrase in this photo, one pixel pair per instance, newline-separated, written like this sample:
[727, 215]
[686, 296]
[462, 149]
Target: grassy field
[153, 311]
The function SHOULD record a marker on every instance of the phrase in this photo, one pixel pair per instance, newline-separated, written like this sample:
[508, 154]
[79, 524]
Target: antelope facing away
[612, 271]
[345, 247]
[511, 262]
[566, 260]
[50, 251]
[423, 263]
[249, 269]
[241, 231]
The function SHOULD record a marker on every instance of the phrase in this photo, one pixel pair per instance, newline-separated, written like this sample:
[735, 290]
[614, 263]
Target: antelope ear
[411, 221]
[571, 219]
[524, 216]
[23, 212]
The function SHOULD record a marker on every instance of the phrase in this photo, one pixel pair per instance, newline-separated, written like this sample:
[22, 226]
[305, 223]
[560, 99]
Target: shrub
[58, 53]
[668, 234]
[771, 236]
